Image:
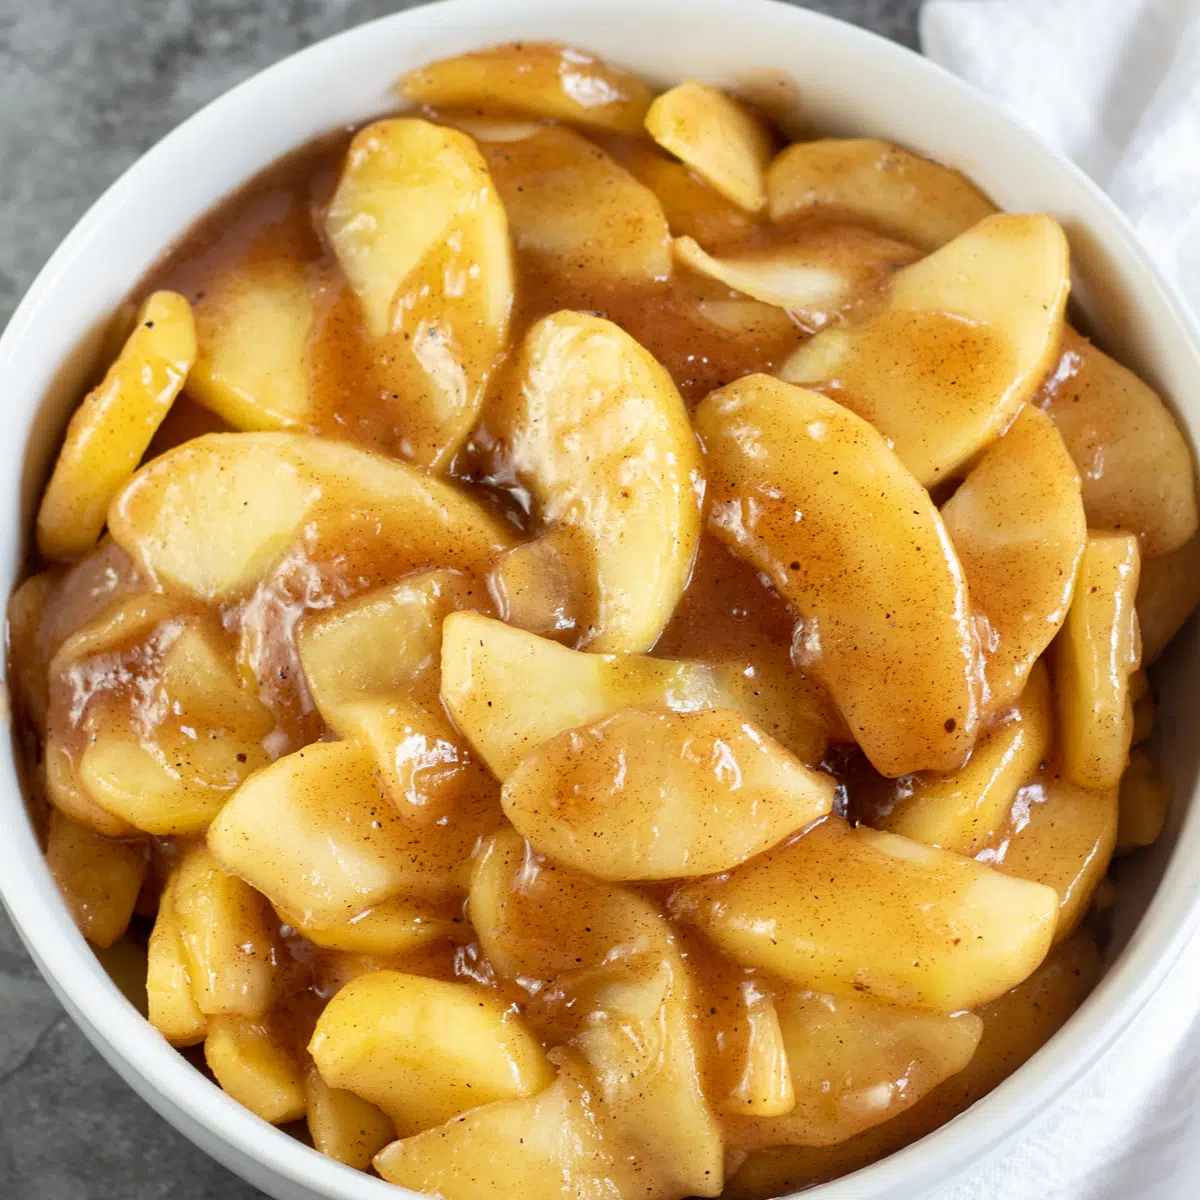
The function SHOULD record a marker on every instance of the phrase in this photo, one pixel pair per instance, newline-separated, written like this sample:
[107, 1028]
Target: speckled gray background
[85, 87]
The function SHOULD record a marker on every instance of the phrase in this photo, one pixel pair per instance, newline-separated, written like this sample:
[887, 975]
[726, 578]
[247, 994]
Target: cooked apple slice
[814, 273]
[491, 129]
[317, 836]
[113, 426]
[1064, 837]
[228, 936]
[652, 794]
[539, 921]
[961, 340]
[98, 878]
[638, 1043]
[535, 584]
[209, 517]
[855, 1063]
[379, 642]
[899, 193]
[252, 327]
[693, 207]
[592, 425]
[539, 78]
[745, 1059]
[171, 1005]
[813, 497]
[65, 791]
[391, 927]
[509, 691]
[967, 810]
[421, 234]
[541, 1147]
[858, 911]
[343, 1126]
[570, 201]
[1015, 1027]
[251, 1063]
[121, 625]
[423, 762]
[424, 1050]
[1168, 592]
[784, 702]
[718, 138]
[172, 784]
[1132, 456]
[85, 590]
[1097, 651]
[1144, 798]
[28, 663]
[170, 775]
[1017, 524]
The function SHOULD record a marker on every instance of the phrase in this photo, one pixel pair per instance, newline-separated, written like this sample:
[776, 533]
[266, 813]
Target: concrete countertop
[85, 87]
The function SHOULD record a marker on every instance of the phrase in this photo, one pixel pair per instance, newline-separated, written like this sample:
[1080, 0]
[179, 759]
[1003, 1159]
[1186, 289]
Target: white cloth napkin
[1115, 85]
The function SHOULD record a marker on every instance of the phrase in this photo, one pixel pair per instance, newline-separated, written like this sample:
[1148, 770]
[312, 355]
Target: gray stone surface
[85, 87]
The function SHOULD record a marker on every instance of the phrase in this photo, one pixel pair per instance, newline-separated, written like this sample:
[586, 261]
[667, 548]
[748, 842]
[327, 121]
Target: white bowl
[847, 81]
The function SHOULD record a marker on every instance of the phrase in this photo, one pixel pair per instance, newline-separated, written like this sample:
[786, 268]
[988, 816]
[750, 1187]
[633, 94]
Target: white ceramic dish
[846, 81]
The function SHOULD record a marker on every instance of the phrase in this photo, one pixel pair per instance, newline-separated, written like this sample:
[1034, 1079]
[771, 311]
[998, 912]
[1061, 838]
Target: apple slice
[509, 691]
[379, 642]
[568, 200]
[638, 1043]
[856, 911]
[592, 425]
[1132, 456]
[718, 138]
[113, 426]
[389, 928]
[1015, 1027]
[539, 78]
[317, 836]
[250, 1062]
[855, 1063]
[1017, 524]
[98, 878]
[1064, 837]
[648, 794]
[28, 666]
[252, 328]
[541, 1147]
[422, 236]
[538, 921]
[960, 341]
[881, 185]
[814, 273]
[813, 497]
[693, 207]
[1144, 798]
[343, 1126]
[747, 1063]
[171, 1005]
[210, 517]
[1168, 593]
[227, 934]
[424, 1050]
[968, 810]
[1097, 651]
[165, 756]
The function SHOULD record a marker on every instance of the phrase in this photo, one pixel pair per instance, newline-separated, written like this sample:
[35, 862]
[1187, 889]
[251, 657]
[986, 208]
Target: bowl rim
[169, 1082]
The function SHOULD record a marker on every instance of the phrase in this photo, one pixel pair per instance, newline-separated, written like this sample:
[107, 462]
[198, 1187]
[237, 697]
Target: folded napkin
[1114, 85]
